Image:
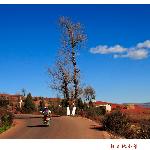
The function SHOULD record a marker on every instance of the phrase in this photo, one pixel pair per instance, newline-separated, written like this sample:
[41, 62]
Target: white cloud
[140, 51]
[104, 49]
[138, 54]
[133, 54]
[145, 44]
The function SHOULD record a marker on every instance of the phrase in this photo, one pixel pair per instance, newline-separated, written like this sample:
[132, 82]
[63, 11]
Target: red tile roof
[100, 103]
[11, 97]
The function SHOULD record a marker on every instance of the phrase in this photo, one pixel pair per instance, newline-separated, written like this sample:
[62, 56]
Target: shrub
[61, 111]
[58, 110]
[116, 121]
[91, 104]
[18, 109]
[6, 119]
[140, 130]
[29, 106]
[3, 101]
[145, 131]
[81, 112]
[119, 123]
[93, 113]
[64, 103]
[79, 103]
[100, 110]
[42, 105]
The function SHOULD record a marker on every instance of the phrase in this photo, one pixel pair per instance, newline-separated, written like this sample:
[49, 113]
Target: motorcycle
[46, 120]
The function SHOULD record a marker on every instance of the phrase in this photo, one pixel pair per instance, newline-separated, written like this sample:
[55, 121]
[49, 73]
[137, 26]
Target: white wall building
[107, 106]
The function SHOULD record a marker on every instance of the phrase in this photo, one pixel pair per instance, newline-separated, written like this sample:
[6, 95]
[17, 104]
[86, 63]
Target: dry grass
[138, 114]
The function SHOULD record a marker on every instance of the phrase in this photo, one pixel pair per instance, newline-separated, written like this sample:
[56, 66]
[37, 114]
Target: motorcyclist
[46, 112]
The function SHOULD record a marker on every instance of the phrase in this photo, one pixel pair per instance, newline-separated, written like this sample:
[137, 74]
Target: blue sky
[115, 60]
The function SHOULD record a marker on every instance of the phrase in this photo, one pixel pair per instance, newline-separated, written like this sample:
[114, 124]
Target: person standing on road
[68, 111]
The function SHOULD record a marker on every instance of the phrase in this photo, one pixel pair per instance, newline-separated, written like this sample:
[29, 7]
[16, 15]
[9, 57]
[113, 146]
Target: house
[106, 105]
[131, 106]
[14, 100]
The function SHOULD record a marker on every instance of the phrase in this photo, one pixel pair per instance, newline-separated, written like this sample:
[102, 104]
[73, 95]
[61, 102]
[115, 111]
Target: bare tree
[65, 75]
[89, 93]
[72, 39]
[60, 74]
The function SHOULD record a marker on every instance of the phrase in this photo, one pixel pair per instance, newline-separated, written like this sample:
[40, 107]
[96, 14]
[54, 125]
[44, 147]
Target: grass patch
[4, 128]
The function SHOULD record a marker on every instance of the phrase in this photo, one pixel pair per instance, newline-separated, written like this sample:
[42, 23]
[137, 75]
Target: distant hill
[147, 105]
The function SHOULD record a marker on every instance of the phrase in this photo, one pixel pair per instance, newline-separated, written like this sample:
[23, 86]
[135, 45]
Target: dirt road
[60, 128]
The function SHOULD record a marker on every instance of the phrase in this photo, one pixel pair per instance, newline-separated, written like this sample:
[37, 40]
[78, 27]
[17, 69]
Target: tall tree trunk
[66, 91]
[75, 76]
[65, 85]
[74, 66]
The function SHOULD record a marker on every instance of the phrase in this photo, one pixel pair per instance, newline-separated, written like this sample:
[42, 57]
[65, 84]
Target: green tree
[29, 106]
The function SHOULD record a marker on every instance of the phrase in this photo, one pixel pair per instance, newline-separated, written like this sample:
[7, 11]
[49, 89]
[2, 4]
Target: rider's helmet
[45, 108]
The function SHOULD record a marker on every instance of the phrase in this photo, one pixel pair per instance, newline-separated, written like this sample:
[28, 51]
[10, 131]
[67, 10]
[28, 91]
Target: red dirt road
[60, 128]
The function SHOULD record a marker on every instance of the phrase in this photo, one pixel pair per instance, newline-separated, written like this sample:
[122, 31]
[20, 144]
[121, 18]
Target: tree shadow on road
[37, 126]
[97, 127]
